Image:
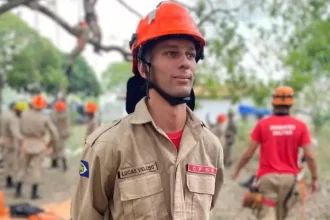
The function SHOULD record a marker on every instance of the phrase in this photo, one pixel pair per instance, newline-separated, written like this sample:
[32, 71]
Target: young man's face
[173, 66]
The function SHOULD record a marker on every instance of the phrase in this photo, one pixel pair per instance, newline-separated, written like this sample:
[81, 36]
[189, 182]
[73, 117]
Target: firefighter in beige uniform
[11, 108]
[92, 124]
[34, 126]
[217, 129]
[230, 135]
[61, 120]
[12, 140]
[160, 162]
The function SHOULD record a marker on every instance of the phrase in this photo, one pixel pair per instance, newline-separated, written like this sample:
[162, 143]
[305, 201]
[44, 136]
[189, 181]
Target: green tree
[40, 63]
[307, 57]
[83, 79]
[116, 76]
[225, 46]
[15, 35]
[27, 58]
[261, 91]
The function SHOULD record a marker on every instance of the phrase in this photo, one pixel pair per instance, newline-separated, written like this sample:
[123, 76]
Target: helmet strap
[149, 85]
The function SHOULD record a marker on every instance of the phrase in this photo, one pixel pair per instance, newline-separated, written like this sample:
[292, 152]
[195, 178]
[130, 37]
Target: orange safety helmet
[39, 102]
[169, 18]
[91, 107]
[283, 95]
[221, 118]
[60, 106]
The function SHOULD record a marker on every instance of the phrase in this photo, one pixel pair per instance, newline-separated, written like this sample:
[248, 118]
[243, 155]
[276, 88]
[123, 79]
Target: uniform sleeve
[95, 185]
[52, 117]
[218, 178]
[52, 130]
[256, 133]
[15, 129]
[305, 138]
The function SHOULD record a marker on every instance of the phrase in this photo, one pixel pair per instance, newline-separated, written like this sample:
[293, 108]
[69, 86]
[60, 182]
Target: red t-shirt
[175, 138]
[280, 138]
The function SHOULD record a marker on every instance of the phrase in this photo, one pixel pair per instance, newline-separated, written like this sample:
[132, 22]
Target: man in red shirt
[280, 137]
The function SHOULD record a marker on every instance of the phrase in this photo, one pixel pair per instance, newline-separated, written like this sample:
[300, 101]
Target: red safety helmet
[91, 107]
[169, 18]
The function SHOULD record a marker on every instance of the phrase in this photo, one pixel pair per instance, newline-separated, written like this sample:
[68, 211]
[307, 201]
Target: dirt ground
[59, 186]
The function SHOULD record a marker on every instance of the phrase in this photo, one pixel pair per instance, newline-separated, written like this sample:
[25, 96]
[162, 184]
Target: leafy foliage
[27, 58]
[116, 76]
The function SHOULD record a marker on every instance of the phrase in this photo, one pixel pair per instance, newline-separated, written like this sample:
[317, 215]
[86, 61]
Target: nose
[184, 62]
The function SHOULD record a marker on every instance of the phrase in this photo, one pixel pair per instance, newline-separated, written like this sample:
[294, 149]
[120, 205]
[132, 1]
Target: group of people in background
[226, 134]
[24, 142]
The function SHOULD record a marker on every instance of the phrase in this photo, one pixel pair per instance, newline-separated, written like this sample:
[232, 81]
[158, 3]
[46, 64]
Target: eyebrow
[172, 46]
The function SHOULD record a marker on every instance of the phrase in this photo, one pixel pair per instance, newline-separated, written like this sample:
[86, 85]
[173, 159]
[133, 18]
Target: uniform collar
[142, 115]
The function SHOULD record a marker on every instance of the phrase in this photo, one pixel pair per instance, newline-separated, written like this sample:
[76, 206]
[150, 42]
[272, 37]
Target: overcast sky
[116, 22]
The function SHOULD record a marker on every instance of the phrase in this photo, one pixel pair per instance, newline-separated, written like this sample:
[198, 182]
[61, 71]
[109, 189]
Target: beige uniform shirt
[217, 130]
[34, 126]
[61, 120]
[10, 129]
[130, 170]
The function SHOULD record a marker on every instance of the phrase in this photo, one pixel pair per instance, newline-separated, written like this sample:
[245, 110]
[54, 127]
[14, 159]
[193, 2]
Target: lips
[183, 77]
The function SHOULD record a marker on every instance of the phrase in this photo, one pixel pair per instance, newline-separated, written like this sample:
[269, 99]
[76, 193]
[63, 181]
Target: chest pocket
[199, 194]
[142, 197]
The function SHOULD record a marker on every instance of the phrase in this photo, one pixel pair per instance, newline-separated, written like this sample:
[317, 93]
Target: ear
[142, 69]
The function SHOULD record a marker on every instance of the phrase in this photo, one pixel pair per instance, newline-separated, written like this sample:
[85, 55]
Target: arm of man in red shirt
[305, 143]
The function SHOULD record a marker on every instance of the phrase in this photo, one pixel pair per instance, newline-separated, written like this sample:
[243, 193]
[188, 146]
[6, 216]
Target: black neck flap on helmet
[138, 87]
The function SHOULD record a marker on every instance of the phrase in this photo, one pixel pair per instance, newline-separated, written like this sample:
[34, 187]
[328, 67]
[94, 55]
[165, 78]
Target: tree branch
[46, 11]
[208, 16]
[130, 9]
[12, 4]
[210, 3]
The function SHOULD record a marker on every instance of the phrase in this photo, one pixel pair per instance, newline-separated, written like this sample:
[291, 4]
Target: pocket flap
[199, 183]
[140, 186]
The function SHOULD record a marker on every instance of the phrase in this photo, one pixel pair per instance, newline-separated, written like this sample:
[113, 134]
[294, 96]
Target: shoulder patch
[84, 169]
[99, 131]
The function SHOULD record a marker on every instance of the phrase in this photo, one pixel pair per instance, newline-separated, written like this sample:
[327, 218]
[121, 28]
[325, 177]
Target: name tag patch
[202, 169]
[134, 171]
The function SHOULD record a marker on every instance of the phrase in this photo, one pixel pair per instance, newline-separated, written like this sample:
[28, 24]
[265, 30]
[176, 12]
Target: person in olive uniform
[160, 162]
[217, 129]
[12, 140]
[2, 151]
[34, 125]
[61, 120]
[230, 135]
[92, 123]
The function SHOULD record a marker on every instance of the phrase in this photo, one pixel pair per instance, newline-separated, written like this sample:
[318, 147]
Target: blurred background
[252, 47]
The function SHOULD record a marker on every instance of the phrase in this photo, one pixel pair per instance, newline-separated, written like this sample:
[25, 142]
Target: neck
[167, 117]
[281, 111]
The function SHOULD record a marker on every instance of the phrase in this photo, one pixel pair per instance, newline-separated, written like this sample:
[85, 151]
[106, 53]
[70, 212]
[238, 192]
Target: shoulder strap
[98, 132]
